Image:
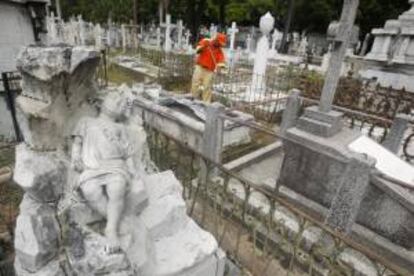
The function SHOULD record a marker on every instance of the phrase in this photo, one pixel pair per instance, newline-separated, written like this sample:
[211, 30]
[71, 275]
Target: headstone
[167, 39]
[326, 58]
[248, 49]
[233, 31]
[276, 37]
[52, 32]
[303, 46]
[98, 33]
[258, 84]
[82, 31]
[187, 39]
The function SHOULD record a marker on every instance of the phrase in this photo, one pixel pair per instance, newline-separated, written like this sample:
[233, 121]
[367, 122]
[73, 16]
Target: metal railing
[260, 231]
[10, 198]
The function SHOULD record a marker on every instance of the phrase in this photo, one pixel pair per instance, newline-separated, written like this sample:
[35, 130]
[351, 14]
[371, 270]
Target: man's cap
[221, 39]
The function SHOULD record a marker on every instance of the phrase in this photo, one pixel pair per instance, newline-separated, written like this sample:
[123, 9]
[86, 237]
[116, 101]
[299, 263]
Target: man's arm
[202, 45]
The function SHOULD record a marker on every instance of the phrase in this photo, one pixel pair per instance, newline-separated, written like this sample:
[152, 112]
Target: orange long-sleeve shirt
[209, 56]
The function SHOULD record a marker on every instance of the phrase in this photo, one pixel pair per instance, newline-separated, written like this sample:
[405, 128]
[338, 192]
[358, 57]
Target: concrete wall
[15, 32]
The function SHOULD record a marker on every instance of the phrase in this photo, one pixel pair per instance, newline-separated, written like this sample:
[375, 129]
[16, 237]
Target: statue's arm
[77, 163]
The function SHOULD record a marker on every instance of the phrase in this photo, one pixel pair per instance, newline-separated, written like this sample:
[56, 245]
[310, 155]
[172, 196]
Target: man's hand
[222, 69]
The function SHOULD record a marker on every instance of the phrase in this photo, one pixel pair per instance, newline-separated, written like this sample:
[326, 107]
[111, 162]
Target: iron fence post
[11, 106]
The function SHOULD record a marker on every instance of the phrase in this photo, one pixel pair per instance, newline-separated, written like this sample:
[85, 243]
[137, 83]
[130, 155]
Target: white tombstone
[248, 44]
[168, 27]
[52, 33]
[82, 31]
[187, 39]
[326, 59]
[258, 84]
[233, 31]
[303, 46]
[98, 36]
[213, 30]
[276, 37]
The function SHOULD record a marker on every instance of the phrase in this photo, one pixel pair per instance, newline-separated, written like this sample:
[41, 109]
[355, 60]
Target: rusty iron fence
[262, 96]
[173, 68]
[260, 231]
[10, 88]
[10, 198]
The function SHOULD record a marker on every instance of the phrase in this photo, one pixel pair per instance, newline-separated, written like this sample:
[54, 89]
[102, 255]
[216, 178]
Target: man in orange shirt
[210, 60]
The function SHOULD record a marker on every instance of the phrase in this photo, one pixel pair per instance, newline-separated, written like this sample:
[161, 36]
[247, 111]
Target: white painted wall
[15, 32]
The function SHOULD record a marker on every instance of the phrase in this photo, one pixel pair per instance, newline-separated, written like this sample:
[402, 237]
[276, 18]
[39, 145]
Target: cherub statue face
[116, 106]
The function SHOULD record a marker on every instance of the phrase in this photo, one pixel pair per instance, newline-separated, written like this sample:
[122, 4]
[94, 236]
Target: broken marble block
[181, 247]
[40, 174]
[56, 81]
[52, 268]
[37, 235]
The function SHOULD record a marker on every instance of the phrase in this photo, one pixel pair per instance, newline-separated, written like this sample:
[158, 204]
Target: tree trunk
[222, 12]
[161, 11]
[135, 11]
[284, 45]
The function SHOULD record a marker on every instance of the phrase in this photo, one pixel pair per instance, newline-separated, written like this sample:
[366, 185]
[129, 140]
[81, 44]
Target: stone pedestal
[320, 123]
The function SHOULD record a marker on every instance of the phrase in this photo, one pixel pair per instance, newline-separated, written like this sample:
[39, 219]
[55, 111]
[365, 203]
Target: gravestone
[167, 39]
[338, 170]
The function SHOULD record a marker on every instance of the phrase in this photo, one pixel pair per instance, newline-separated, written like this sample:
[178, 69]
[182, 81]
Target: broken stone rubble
[157, 236]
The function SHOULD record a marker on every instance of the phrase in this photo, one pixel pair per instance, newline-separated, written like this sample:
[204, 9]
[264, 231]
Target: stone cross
[342, 33]
[168, 26]
[98, 36]
[275, 38]
[213, 30]
[187, 39]
[233, 31]
[248, 43]
[51, 29]
[82, 31]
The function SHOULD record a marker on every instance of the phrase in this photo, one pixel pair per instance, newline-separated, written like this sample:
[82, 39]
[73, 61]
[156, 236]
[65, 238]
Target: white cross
[168, 26]
[233, 30]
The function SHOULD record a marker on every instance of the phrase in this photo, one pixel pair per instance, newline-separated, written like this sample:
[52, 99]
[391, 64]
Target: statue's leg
[116, 198]
[95, 197]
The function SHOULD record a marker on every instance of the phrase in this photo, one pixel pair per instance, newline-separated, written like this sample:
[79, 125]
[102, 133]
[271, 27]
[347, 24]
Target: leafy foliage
[310, 16]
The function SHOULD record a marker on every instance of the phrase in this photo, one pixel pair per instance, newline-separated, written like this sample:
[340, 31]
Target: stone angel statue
[102, 154]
